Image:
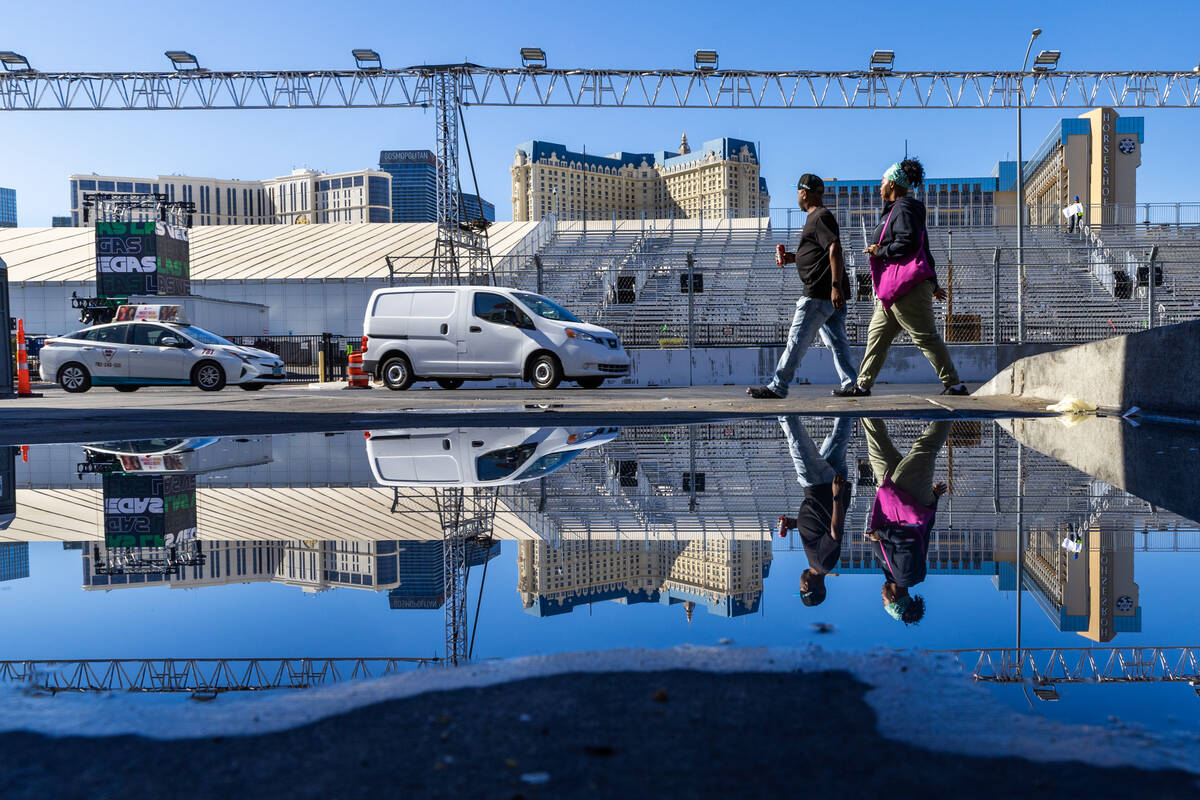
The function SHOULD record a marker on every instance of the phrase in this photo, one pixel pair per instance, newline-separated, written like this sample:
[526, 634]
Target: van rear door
[433, 332]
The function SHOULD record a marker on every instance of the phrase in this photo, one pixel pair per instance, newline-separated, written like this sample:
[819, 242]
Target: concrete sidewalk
[102, 414]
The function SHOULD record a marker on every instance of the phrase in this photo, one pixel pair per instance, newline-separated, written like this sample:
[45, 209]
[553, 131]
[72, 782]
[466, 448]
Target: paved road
[106, 414]
[611, 735]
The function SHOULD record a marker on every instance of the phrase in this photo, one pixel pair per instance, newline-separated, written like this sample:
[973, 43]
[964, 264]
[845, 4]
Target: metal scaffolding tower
[467, 517]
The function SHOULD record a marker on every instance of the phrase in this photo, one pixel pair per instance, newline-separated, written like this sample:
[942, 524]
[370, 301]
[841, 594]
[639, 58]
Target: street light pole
[1021, 195]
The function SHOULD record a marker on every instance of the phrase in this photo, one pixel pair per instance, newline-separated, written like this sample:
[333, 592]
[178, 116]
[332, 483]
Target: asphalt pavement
[104, 414]
[679, 733]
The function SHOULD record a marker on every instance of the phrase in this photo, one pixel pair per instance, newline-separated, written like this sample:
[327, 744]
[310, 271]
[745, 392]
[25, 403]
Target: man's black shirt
[813, 522]
[812, 254]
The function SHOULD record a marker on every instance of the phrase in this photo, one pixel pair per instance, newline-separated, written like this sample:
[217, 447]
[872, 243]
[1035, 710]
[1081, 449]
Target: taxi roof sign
[150, 313]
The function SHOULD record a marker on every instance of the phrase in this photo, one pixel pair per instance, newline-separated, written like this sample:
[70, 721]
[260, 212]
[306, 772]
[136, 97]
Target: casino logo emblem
[1125, 603]
[1127, 145]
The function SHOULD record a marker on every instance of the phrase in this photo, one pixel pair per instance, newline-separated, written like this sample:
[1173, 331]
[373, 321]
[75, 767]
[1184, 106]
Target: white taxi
[154, 346]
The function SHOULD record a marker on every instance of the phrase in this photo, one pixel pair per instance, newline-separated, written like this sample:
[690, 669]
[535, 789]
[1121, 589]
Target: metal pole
[1020, 533]
[996, 298]
[1021, 196]
[1150, 269]
[692, 467]
[537, 262]
[691, 287]
[949, 285]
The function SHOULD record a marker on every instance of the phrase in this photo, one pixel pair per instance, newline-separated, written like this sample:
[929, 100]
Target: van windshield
[545, 308]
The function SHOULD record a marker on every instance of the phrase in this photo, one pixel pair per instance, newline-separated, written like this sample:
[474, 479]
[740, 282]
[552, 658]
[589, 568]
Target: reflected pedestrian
[821, 519]
[822, 307]
[902, 271]
[903, 513]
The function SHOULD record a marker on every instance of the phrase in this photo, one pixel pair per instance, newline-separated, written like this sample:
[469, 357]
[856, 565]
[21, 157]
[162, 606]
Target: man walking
[818, 259]
[821, 519]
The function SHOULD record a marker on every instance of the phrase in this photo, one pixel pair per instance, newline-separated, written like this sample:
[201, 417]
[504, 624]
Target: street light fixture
[882, 60]
[533, 58]
[1046, 60]
[705, 60]
[182, 61]
[14, 62]
[1021, 201]
[366, 59]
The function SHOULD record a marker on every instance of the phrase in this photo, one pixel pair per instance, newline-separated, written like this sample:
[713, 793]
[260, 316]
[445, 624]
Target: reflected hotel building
[723, 576]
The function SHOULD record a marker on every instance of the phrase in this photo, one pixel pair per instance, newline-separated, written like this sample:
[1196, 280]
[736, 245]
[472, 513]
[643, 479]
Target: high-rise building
[414, 188]
[14, 560]
[304, 196]
[421, 575]
[60, 222]
[1094, 156]
[721, 179]
[8, 208]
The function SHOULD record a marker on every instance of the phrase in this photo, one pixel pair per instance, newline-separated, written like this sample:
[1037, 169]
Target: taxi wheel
[251, 387]
[449, 383]
[590, 383]
[126, 388]
[208, 376]
[545, 372]
[397, 373]
[74, 378]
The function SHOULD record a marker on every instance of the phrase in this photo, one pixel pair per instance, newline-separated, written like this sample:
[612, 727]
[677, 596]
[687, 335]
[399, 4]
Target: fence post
[326, 347]
[1150, 270]
[537, 263]
[691, 286]
[996, 297]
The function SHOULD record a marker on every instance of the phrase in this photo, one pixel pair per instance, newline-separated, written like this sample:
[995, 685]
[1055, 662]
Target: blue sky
[40, 149]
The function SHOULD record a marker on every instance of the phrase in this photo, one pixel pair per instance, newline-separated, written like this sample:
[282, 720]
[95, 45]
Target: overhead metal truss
[198, 675]
[418, 87]
[1060, 665]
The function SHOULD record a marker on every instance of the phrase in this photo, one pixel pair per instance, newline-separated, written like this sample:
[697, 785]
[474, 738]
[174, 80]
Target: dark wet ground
[592, 735]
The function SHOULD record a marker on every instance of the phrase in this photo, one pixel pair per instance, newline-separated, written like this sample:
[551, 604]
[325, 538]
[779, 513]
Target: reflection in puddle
[869, 521]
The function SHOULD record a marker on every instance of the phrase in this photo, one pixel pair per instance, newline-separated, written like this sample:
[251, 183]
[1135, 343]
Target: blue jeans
[815, 467]
[813, 315]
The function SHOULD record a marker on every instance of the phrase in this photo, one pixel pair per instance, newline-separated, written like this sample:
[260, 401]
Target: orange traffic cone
[23, 389]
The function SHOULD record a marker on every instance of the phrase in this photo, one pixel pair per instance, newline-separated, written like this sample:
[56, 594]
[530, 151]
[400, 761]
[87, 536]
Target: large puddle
[496, 542]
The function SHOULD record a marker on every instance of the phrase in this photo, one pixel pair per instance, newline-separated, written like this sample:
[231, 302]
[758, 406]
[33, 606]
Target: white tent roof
[260, 252]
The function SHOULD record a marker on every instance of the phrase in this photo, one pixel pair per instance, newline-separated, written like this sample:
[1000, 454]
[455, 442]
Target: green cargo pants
[913, 473]
[913, 313]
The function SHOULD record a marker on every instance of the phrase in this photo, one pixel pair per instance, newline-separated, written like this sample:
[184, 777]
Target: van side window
[491, 307]
[394, 304]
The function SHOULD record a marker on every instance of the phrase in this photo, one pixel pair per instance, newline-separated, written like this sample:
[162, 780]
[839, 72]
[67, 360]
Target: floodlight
[1045, 690]
[882, 60]
[14, 62]
[1046, 60]
[366, 59]
[706, 60]
[1196, 68]
[182, 60]
[533, 58]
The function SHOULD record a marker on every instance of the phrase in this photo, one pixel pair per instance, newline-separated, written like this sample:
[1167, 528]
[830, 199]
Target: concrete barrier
[1157, 370]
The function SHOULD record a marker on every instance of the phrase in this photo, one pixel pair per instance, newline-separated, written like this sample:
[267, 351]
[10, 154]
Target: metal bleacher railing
[632, 275]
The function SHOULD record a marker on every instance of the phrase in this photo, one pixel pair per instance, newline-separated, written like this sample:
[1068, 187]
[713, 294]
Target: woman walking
[902, 271]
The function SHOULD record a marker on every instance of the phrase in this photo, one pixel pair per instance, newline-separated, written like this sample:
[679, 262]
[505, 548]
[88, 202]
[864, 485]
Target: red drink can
[779, 251]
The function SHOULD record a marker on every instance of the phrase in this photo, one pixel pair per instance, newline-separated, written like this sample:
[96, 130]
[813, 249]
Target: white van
[452, 334]
[476, 456]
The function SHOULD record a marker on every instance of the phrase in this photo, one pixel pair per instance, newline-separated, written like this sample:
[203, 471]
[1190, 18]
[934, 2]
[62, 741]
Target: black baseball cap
[812, 183]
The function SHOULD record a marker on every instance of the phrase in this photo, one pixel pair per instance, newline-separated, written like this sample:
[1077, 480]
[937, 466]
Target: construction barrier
[354, 373]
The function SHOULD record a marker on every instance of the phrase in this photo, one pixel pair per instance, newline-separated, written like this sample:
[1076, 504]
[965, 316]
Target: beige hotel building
[721, 179]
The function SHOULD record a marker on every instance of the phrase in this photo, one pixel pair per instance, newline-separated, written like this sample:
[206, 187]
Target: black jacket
[904, 231]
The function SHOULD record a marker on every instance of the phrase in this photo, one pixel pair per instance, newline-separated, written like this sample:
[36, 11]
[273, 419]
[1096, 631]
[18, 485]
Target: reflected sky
[593, 537]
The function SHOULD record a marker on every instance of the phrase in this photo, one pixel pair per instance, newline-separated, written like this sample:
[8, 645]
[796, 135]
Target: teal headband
[896, 610]
[896, 176]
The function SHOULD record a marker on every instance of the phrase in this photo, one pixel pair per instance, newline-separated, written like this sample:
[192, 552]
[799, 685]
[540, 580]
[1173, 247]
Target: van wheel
[74, 377]
[545, 372]
[590, 383]
[208, 376]
[449, 383]
[397, 373]
[126, 388]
